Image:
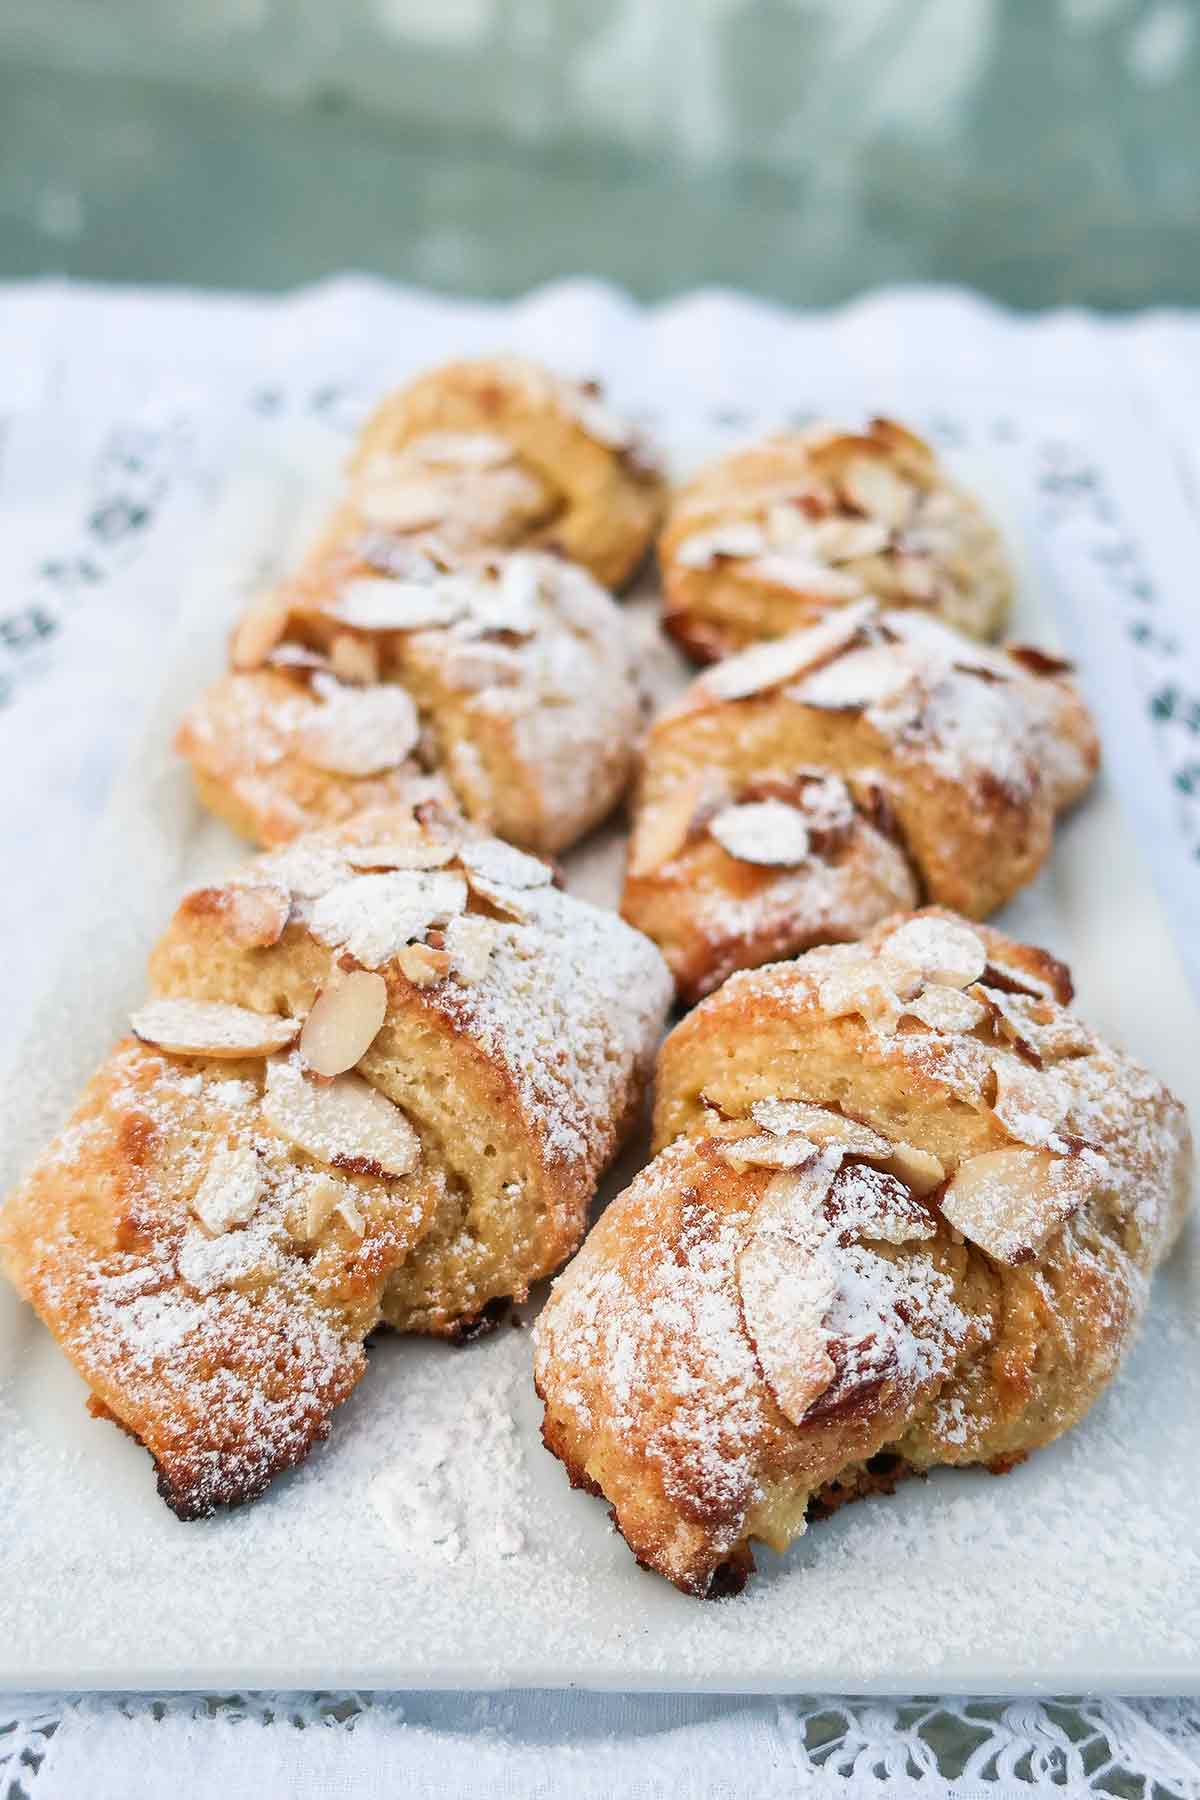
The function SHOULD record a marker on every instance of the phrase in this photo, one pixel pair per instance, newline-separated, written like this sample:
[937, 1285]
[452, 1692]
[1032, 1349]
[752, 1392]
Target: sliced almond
[211, 1028]
[376, 604]
[397, 503]
[945, 950]
[374, 916]
[874, 1203]
[911, 451]
[765, 832]
[344, 1122]
[1041, 1030]
[231, 1190]
[354, 660]
[802, 573]
[599, 421]
[324, 1195]
[1053, 982]
[664, 828]
[862, 678]
[847, 540]
[347, 1208]
[740, 537]
[918, 1169]
[461, 449]
[417, 852]
[946, 1009]
[503, 864]
[871, 487]
[1030, 1103]
[344, 1022]
[872, 986]
[773, 664]
[821, 1124]
[423, 965]
[256, 917]
[767, 1151]
[260, 629]
[1011, 1202]
[916, 577]
[360, 731]
[470, 942]
[787, 1287]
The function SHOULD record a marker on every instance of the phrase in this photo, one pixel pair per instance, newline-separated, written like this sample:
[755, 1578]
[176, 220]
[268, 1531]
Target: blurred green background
[1041, 150]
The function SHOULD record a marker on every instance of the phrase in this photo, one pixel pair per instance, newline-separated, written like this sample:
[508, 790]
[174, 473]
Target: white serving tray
[1080, 1570]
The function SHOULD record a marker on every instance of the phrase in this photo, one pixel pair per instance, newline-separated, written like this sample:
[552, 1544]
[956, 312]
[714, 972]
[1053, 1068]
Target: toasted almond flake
[821, 1124]
[509, 902]
[946, 1009]
[875, 1204]
[347, 1208]
[846, 540]
[299, 657]
[211, 1028]
[461, 449]
[664, 828]
[916, 577]
[323, 1196]
[260, 629]
[306, 868]
[919, 1169]
[397, 503]
[771, 665]
[231, 1190]
[374, 916]
[343, 1122]
[598, 420]
[739, 538]
[1013, 977]
[945, 950]
[343, 1022]
[765, 832]
[872, 488]
[802, 573]
[354, 660]
[423, 965]
[789, 527]
[502, 863]
[1011, 1202]
[1038, 662]
[861, 678]
[417, 852]
[1030, 1103]
[255, 917]
[1040, 1029]
[909, 449]
[374, 603]
[769, 1152]
[786, 1290]
[469, 944]
[360, 731]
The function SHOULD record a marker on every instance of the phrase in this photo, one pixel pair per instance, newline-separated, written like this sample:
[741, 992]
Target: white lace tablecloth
[120, 410]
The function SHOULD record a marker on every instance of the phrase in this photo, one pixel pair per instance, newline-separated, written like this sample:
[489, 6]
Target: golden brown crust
[799, 793]
[899, 1216]
[600, 497]
[768, 539]
[379, 1075]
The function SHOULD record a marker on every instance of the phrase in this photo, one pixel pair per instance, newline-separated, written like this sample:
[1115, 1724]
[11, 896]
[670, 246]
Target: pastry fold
[376, 1079]
[803, 790]
[769, 538]
[904, 1211]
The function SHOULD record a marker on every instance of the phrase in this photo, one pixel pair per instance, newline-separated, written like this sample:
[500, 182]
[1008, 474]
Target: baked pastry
[765, 540]
[904, 1212]
[803, 790]
[377, 1079]
[508, 674]
[499, 451]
